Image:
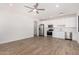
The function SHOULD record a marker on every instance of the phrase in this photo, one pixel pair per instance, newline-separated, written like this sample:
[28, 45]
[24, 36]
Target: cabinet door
[59, 34]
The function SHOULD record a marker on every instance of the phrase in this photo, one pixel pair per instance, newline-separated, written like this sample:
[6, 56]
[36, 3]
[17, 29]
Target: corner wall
[15, 26]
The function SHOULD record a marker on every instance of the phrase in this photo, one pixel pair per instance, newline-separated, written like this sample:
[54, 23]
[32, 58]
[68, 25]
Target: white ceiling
[50, 12]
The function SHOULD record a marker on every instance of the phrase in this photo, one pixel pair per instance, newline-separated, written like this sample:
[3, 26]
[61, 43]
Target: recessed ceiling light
[10, 4]
[57, 6]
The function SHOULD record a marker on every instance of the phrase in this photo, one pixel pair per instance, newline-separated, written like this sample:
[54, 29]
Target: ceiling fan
[35, 8]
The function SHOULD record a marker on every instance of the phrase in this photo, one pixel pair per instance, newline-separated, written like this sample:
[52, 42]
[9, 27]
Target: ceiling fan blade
[28, 7]
[36, 5]
[40, 9]
[30, 11]
[37, 12]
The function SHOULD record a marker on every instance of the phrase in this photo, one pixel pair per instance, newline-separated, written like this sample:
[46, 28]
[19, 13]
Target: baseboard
[16, 39]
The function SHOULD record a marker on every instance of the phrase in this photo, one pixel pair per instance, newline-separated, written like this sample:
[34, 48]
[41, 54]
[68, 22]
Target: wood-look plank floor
[40, 46]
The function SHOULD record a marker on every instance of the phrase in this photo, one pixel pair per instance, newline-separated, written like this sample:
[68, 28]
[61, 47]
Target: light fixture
[57, 6]
[34, 10]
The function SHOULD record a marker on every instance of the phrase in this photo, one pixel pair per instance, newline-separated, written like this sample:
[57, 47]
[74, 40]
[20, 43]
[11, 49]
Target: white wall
[69, 21]
[77, 26]
[15, 26]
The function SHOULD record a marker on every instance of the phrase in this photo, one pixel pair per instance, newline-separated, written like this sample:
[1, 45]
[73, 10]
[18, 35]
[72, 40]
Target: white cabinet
[58, 34]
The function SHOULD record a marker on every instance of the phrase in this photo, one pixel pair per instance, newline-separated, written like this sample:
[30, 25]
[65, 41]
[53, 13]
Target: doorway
[35, 28]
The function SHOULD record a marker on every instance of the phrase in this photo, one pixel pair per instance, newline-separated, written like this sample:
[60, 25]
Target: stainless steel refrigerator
[41, 30]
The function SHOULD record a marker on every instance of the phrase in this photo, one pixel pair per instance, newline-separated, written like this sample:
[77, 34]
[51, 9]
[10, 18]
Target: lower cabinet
[58, 34]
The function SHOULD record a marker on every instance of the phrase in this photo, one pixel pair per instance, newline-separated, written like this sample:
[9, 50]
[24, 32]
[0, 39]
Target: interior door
[35, 28]
[41, 30]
